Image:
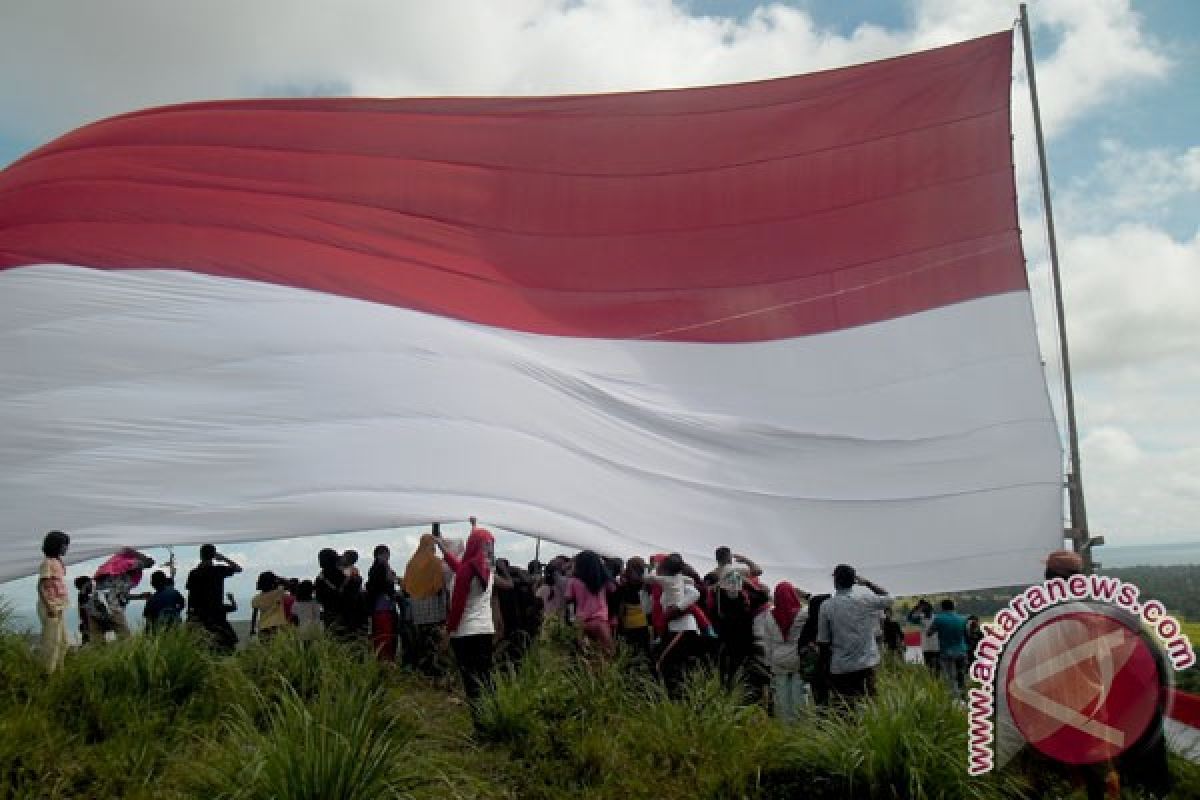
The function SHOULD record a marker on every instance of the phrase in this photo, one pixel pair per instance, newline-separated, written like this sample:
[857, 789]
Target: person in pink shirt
[588, 589]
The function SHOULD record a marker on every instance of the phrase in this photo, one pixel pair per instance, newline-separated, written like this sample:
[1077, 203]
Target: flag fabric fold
[790, 316]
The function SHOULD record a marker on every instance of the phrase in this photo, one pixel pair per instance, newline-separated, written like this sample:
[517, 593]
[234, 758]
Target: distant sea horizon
[1148, 555]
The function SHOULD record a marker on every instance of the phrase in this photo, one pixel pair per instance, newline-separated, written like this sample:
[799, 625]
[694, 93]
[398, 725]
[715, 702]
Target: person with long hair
[779, 632]
[52, 600]
[469, 621]
[588, 589]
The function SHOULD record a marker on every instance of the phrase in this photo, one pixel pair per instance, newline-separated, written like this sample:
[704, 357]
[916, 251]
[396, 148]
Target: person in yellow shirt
[268, 616]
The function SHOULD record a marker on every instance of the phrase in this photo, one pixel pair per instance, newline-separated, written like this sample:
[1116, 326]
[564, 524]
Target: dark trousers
[423, 648]
[677, 655]
[850, 686]
[954, 672]
[637, 640]
[220, 633]
[474, 657]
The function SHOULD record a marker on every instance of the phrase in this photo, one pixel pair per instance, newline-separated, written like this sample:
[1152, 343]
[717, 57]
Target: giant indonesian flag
[789, 316]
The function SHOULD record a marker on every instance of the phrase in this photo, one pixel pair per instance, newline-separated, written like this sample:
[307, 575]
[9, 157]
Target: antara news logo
[1067, 665]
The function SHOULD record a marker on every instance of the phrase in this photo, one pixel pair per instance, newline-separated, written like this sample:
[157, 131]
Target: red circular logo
[1082, 687]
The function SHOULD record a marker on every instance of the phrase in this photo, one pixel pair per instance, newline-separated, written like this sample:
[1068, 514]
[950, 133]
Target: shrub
[908, 741]
[607, 729]
[341, 745]
[140, 684]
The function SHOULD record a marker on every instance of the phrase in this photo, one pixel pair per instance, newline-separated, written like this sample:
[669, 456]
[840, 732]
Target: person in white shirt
[846, 633]
[931, 648]
[779, 634]
[469, 621]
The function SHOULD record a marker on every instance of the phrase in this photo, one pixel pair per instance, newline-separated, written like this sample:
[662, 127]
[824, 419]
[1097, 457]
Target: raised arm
[693, 575]
[754, 568]
[451, 560]
[874, 587]
[882, 599]
[227, 562]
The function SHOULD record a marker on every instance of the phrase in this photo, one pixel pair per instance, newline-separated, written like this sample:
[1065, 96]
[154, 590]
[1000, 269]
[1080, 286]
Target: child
[52, 600]
[268, 616]
[588, 589]
[164, 607]
[306, 611]
[350, 564]
[671, 575]
[83, 598]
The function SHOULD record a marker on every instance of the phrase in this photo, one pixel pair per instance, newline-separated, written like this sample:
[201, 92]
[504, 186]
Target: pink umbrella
[126, 560]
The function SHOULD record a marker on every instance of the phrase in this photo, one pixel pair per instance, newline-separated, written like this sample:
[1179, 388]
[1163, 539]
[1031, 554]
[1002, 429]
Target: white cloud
[1133, 295]
[1103, 50]
[1141, 449]
[1128, 184]
[85, 61]
[1112, 445]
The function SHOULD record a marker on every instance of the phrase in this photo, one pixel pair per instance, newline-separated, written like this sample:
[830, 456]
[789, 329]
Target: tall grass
[160, 717]
[144, 684]
[908, 741]
[338, 745]
[608, 730]
[289, 663]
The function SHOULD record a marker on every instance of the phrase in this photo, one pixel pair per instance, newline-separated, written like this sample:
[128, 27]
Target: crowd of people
[785, 647]
[781, 644]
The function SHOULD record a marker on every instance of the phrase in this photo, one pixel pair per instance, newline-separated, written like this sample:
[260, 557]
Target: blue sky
[1117, 85]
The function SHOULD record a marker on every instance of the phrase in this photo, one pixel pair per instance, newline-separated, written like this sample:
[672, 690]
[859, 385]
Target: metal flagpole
[1078, 532]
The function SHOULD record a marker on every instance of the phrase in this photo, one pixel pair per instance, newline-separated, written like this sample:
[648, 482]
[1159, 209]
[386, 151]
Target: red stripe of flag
[739, 213]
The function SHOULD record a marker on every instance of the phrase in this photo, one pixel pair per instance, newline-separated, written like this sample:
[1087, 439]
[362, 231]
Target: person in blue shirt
[951, 630]
[164, 607]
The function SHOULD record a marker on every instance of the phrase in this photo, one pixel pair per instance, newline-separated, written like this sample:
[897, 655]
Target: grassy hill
[158, 717]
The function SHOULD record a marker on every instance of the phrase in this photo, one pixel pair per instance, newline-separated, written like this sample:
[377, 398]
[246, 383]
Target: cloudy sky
[1116, 78]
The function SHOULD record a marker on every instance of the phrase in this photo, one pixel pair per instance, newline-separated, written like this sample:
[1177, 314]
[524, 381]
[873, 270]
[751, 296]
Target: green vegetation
[1176, 587]
[161, 717]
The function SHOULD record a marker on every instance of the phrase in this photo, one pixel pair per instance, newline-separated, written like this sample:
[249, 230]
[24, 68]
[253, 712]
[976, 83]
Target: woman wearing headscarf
[778, 630]
[425, 581]
[469, 620]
